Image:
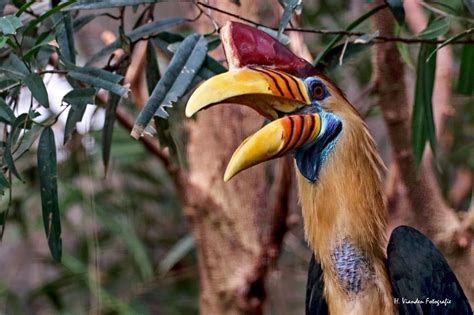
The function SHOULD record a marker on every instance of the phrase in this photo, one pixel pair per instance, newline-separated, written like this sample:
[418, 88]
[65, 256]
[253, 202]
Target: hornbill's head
[306, 110]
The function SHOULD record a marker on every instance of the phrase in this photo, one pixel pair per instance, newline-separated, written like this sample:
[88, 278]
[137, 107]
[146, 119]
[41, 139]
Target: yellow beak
[272, 94]
[267, 91]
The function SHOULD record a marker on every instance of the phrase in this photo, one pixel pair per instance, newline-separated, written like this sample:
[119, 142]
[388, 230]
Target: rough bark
[230, 221]
[427, 209]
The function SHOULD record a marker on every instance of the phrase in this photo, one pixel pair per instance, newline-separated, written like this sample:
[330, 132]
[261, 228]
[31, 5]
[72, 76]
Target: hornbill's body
[339, 183]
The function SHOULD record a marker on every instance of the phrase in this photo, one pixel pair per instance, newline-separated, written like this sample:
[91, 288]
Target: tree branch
[376, 39]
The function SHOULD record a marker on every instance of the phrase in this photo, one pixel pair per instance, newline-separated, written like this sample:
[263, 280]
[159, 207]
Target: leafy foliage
[422, 117]
[38, 42]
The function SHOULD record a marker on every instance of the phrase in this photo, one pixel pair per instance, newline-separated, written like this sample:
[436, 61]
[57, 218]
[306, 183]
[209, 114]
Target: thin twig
[379, 39]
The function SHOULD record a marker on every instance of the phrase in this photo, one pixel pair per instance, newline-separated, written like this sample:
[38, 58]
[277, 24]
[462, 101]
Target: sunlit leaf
[436, 28]
[396, 6]
[9, 24]
[100, 4]
[49, 192]
[466, 70]
[78, 99]
[181, 71]
[423, 128]
[36, 85]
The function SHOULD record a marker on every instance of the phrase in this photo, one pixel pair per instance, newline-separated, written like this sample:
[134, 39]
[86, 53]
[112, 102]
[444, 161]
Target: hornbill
[339, 183]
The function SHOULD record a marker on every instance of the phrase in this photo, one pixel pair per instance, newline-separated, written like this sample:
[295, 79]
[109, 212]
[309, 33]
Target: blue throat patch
[311, 157]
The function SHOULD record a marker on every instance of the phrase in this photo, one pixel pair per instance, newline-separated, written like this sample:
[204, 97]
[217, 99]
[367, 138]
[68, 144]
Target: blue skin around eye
[312, 156]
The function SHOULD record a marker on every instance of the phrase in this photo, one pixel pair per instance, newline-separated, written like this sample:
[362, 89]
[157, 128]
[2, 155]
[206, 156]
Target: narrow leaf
[466, 70]
[100, 4]
[9, 24]
[152, 70]
[27, 141]
[65, 38]
[396, 6]
[49, 191]
[138, 33]
[180, 73]
[107, 131]
[350, 27]
[36, 85]
[452, 38]
[47, 14]
[78, 99]
[177, 253]
[289, 7]
[101, 79]
[82, 21]
[436, 28]
[6, 113]
[423, 128]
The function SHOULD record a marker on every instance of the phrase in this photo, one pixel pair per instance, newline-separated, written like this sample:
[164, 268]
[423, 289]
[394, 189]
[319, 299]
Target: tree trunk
[229, 221]
[427, 209]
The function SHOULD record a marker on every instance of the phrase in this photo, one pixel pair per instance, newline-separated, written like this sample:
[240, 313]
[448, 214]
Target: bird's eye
[318, 91]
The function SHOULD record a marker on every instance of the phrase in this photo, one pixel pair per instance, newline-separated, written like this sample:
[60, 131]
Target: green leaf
[13, 68]
[6, 113]
[181, 71]
[177, 253]
[396, 6]
[9, 24]
[403, 48]
[4, 183]
[152, 70]
[101, 79]
[282, 38]
[289, 7]
[65, 38]
[451, 39]
[49, 191]
[3, 41]
[435, 29]
[47, 14]
[107, 131]
[470, 6]
[27, 141]
[350, 27]
[466, 70]
[18, 124]
[423, 128]
[100, 4]
[332, 59]
[83, 20]
[36, 85]
[138, 33]
[78, 99]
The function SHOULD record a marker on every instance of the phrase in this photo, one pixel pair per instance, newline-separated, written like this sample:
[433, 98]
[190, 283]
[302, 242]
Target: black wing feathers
[421, 278]
[315, 302]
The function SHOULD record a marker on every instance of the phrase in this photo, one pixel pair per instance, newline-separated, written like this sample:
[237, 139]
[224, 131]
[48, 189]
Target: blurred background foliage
[126, 248]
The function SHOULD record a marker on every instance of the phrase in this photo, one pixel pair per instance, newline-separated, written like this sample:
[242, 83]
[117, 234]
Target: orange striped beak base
[273, 94]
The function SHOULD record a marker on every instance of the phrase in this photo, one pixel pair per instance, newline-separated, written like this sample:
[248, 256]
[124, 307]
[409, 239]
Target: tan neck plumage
[346, 205]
